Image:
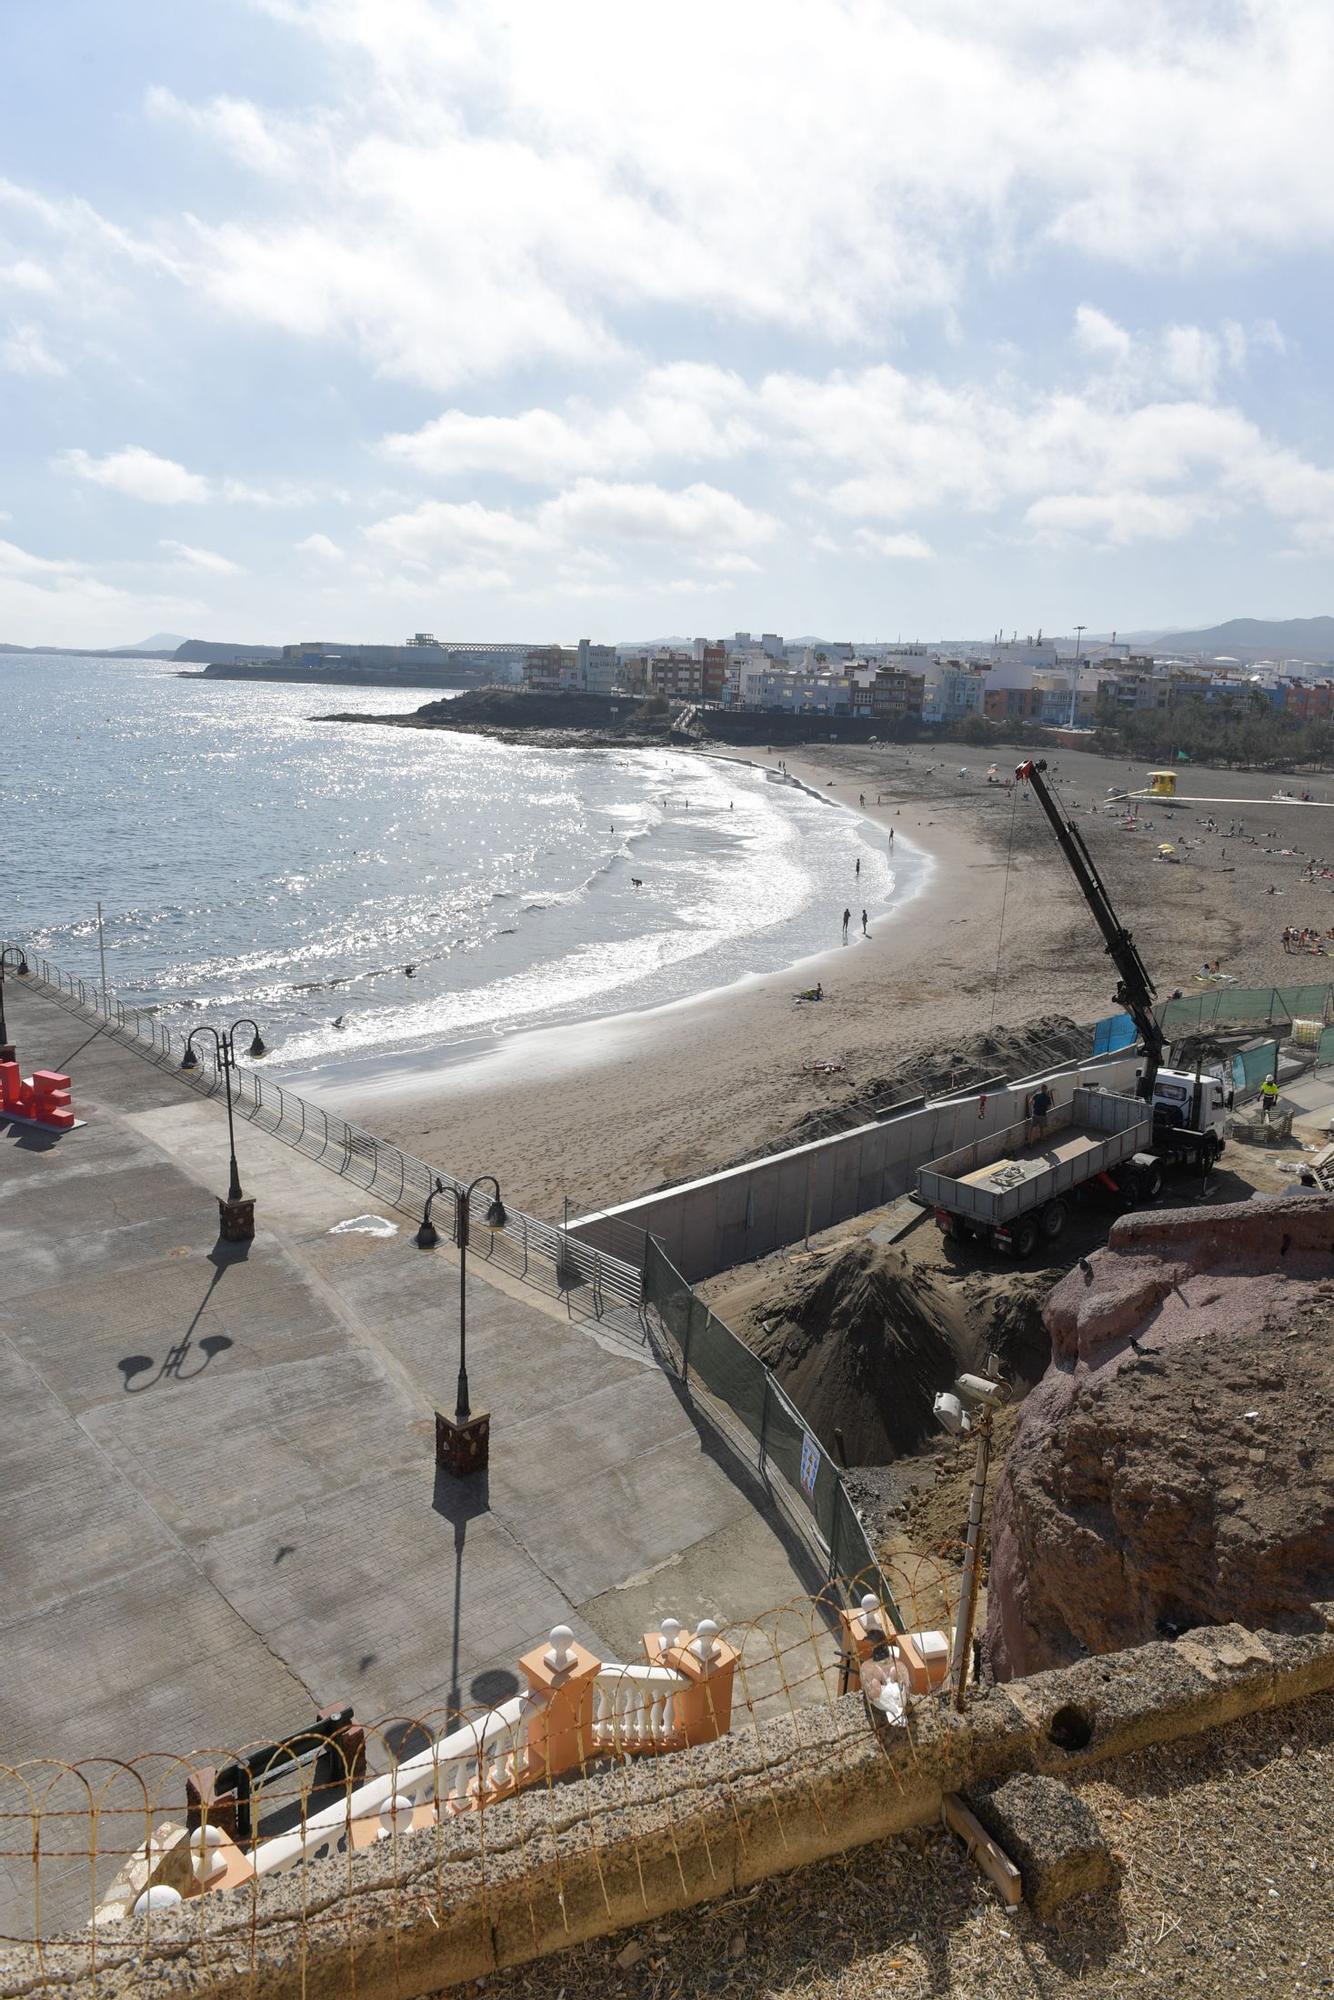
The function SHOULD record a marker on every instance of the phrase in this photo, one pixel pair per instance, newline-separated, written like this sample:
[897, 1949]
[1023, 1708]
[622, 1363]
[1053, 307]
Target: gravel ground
[1227, 1889]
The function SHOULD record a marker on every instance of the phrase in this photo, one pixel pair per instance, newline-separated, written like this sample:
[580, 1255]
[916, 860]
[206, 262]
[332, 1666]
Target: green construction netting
[1264, 1005]
[1302, 1002]
[1325, 1052]
[707, 1352]
[1251, 1066]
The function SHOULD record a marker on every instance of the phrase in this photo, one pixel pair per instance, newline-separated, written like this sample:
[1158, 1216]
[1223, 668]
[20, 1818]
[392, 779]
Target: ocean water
[252, 860]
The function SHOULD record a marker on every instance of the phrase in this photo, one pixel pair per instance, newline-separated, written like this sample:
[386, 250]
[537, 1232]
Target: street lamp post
[463, 1442]
[236, 1214]
[7, 1053]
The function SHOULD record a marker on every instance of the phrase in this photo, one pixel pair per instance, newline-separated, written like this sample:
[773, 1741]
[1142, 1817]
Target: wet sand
[601, 1111]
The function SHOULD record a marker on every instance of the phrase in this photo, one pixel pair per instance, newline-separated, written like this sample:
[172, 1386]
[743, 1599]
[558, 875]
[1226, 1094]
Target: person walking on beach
[857, 871]
[865, 932]
[847, 919]
[891, 840]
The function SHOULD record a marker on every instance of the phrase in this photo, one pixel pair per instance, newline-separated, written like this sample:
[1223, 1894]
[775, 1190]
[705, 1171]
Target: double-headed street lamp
[21, 967]
[464, 1445]
[237, 1213]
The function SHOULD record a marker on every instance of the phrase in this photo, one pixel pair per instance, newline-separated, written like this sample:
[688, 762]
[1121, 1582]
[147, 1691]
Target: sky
[345, 319]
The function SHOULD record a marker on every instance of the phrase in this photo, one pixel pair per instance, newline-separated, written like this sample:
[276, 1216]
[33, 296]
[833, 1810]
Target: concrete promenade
[219, 1508]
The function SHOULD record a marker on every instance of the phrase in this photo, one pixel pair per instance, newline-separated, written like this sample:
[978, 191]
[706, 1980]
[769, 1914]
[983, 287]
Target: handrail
[540, 1253]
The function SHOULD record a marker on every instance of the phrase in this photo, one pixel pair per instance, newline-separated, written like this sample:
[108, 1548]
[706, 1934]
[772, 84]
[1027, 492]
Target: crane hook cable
[1005, 896]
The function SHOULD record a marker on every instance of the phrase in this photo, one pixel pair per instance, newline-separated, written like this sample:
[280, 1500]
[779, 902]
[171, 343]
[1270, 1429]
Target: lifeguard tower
[1163, 788]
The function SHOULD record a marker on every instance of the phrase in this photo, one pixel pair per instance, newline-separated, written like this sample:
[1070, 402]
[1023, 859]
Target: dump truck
[1016, 1187]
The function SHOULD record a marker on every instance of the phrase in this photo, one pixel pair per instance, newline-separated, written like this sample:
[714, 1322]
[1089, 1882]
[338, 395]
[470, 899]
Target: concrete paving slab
[219, 1474]
[89, 1228]
[379, 1588]
[276, 1437]
[91, 1341]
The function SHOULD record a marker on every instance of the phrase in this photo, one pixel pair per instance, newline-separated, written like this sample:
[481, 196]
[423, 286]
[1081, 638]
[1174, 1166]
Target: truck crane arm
[1135, 990]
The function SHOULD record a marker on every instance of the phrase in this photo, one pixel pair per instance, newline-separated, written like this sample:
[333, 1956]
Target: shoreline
[475, 1061]
[568, 1045]
[600, 1109]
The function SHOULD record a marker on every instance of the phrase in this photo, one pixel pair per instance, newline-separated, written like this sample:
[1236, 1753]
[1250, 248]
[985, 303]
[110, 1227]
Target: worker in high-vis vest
[1268, 1097]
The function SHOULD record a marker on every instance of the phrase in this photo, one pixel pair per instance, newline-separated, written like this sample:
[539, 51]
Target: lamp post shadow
[459, 1501]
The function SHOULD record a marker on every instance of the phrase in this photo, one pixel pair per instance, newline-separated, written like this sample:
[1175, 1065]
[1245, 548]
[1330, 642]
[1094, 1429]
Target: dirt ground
[1226, 1892]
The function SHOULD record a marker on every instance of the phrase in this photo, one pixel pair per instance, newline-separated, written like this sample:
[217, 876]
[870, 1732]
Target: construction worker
[1268, 1097]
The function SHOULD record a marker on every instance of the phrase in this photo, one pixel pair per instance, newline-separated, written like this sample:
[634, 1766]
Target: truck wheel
[1025, 1239]
[1054, 1218]
[1150, 1183]
[1209, 1152]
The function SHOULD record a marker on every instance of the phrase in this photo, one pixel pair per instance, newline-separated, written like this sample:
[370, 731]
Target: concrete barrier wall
[730, 1218]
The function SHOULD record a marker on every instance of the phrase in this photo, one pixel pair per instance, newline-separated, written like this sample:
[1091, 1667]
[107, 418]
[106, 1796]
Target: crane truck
[1017, 1185]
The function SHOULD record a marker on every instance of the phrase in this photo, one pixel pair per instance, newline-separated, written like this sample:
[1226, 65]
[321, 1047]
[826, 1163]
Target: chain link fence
[1242, 1006]
[707, 1355]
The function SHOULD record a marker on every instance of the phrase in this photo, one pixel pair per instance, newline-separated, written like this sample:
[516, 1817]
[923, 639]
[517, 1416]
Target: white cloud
[15, 561]
[321, 547]
[686, 410]
[25, 274]
[162, 482]
[1192, 358]
[697, 513]
[63, 600]
[25, 352]
[139, 475]
[206, 560]
[1100, 336]
[478, 194]
[285, 493]
[1116, 519]
[440, 529]
[899, 548]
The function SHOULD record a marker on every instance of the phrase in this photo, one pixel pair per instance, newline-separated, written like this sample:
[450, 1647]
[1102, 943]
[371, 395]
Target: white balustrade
[633, 1708]
[455, 1773]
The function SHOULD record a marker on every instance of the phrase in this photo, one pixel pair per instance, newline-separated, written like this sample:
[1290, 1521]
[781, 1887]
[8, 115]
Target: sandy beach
[598, 1112]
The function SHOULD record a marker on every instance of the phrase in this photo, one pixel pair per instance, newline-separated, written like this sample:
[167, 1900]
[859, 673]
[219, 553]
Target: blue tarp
[1116, 1032]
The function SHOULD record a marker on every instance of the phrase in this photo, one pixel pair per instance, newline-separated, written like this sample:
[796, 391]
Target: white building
[597, 667]
[952, 692]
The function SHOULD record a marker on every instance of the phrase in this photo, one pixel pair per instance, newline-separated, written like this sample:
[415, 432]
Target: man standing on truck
[1268, 1097]
[1039, 1112]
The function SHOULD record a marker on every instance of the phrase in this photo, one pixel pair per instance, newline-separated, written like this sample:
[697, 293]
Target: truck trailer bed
[1029, 1161]
[996, 1179]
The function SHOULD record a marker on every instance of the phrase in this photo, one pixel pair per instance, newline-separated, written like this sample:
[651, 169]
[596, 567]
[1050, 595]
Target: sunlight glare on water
[250, 859]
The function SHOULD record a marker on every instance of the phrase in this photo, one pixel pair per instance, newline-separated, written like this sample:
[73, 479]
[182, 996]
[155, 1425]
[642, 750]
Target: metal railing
[704, 1351]
[541, 1253]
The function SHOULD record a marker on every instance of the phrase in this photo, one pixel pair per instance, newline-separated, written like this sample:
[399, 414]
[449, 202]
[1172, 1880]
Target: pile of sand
[927, 1069]
[863, 1344]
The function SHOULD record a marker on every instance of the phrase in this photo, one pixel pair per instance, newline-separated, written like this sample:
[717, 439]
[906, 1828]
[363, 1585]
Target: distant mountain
[1260, 638]
[160, 642]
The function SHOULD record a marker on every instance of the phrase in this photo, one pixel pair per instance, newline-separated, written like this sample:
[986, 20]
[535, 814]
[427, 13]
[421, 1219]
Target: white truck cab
[1176, 1108]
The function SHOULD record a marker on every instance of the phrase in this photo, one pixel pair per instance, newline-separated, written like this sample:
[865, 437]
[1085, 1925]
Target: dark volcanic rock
[1174, 1466]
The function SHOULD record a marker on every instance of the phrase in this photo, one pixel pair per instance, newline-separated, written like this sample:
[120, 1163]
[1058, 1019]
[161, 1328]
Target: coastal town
[1007, 681]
